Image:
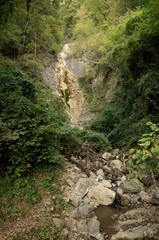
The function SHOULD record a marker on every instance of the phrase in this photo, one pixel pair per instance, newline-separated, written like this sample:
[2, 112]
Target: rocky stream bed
[102, 204]
[110, 209]
[105, 204]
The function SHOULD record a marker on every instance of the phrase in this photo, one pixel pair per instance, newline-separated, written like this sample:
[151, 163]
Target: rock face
[102, 195]
[68, 69]
[137, 224]
[82, 227]
[100, 173]
[49, 77]
[145, 197]
[155, 196]
[75, 66]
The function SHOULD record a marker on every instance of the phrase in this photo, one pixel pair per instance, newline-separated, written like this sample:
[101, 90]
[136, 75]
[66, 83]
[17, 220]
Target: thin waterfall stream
[68, 70]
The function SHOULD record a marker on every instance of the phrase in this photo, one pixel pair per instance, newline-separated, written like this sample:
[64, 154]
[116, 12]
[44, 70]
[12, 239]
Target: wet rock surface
[68, 70]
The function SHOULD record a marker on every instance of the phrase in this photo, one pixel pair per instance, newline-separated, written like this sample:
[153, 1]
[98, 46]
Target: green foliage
[33, 129]
[46, 231]
[7, 8]
[72, 139]
[27, 124]
[145, 159]
[62, 204]
[18, 190]
[31, 26]
[68, 12]
[17, 195]
[47, 183]
[124, 6]
[125, 51]
[106, 121]
[97, 141]
[31, 65]
[121, 131]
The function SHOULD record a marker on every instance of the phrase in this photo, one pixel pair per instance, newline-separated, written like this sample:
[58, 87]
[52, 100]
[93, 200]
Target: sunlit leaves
[146, 157]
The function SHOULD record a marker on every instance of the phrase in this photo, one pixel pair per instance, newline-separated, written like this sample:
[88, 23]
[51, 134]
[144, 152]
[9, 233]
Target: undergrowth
[18, 195]
[34, 129]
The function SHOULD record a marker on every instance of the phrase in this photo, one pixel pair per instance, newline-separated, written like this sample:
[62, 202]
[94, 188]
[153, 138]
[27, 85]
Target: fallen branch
[81, 166]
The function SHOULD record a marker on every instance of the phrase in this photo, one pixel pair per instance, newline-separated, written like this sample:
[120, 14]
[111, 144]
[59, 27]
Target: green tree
[68, 12]
[35, 28]
[98, 10]
[124, 5]
[7, 8]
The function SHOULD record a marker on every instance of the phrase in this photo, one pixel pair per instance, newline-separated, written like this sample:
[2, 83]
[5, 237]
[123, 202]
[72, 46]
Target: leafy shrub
[33, 130]
[97, 141]
[106, 121]
[127, 132]
[121, 129]
[71, 140]
[145, 158]
[21, 189]
[127, 50]
[30, 64]
[27, 134]
[149, 90]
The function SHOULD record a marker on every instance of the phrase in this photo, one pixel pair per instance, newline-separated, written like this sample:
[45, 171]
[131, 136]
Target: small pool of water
[108, 217]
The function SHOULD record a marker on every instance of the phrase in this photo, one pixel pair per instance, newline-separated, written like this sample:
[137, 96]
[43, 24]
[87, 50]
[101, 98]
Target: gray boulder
[106, 183]
[131, 186]
[86, 211]
[117, 164]
[82, 187]
[76, 200]
[145, 197]
[125, 199]
[102, 195]
[74, 177]
[75, 214]
[92, 177]
[155, 196]
[82, 227]
[93, 227]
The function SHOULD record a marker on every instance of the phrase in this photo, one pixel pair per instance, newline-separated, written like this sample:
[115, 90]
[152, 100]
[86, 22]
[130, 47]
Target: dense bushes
[30, 27]
[34, 130]
[26, 137]
[145, 157]
[126, 52]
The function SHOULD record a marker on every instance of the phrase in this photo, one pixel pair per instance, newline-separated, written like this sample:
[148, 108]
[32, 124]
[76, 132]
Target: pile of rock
[87, 193]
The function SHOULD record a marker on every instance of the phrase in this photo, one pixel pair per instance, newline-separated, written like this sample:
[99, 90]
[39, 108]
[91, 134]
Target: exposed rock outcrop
[68, 70]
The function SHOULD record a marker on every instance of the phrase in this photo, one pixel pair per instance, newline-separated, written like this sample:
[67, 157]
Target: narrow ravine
[88, 193]
[97, 199]
[68, 70]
